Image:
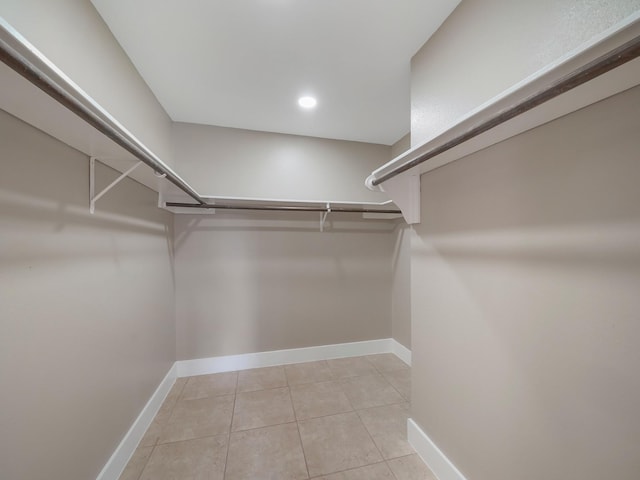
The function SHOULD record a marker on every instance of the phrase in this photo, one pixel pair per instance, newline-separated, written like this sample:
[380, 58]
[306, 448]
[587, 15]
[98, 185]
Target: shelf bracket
[404, 190]
[323, 217]
[93, 198]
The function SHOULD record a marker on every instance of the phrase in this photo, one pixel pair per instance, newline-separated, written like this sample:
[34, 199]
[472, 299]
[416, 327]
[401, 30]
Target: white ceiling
[244, 63]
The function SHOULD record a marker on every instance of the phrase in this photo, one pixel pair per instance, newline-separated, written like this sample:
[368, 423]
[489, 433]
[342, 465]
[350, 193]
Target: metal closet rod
[40, 79]
[283, 208]
[591, 70]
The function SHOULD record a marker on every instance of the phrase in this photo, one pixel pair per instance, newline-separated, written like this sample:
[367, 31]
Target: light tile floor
[342, 419]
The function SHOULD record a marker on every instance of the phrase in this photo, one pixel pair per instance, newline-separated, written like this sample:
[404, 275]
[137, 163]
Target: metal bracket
[323, 217]
[93, 198]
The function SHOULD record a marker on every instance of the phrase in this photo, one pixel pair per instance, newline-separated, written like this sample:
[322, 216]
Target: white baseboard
[229, 363]
[439, 464]
[400, 351]
[121, 456]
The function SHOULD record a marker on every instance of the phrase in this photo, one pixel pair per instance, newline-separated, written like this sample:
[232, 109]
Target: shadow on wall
[258, 285]
[86, 307]
[281, 222]
[527, 271]
[580, 246]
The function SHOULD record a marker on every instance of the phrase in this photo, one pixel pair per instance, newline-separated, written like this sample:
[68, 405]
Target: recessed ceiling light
[307, 102]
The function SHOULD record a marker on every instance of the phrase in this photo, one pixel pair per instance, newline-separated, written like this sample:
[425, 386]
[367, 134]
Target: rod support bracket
[93, 197]
[323, 216]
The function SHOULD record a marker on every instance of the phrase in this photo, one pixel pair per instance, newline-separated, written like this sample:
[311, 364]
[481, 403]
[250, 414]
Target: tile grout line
[386, 460]
[170, 412]
[394, 387]
[145, 464]
[190, 439]
[233, 413]
[155, 444]
[295, 416]
[397, 458]
[388, 371]
[365, 428]
[352, 469]
[370, 437]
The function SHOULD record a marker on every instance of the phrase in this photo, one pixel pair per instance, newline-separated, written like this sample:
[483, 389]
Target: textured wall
[243, 163]
[486, 46]
[73, 36]
[401, 146]
[257, 283]
[525, 280]
[401, 287]
[87, 326]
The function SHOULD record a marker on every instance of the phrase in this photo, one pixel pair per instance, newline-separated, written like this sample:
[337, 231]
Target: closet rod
[38, 77]
[591, 70]
[281, 208]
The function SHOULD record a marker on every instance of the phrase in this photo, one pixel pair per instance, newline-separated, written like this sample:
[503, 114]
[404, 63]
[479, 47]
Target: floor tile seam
[348, 399]
[371, 437]
[171, 416]
[403, 369]
[375, 372]
[351, 469]
[226, 458]
[295, 415]
[391, 469]
[212, 374]
[372, 364]
[325, 416]
[341, 390]
[193, 438]
[385, 458]
[395, 370]
[302, 385]
[262, 389]
[397, 458]
[207, 396]
[364, 426]
[370, 374]
[206, 375]
[179, 396]
[164, 425]
[286, 377]
[391, 385]
[293, 407]
[383, 405]
[145, 463]
[338, 385]
[403, 456]
[392, 369]
[394, 387]
[263, 426]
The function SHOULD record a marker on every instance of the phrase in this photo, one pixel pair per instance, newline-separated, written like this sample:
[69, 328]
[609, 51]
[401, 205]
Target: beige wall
[525, 276]
[401, 286]
[401, 146]
[86, 308]
[73, 36]
[258, 283]
[242, 163]
[486, 46]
